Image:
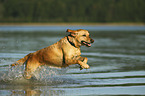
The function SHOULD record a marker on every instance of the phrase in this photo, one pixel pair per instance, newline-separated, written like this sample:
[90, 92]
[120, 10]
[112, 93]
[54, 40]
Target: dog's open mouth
[86, 43]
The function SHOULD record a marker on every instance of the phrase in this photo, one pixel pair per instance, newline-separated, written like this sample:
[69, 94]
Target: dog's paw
[27, 75]
[84, 66]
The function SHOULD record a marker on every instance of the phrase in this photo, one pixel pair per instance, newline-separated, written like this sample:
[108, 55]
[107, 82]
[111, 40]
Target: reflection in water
[29, 91]
[33, 91]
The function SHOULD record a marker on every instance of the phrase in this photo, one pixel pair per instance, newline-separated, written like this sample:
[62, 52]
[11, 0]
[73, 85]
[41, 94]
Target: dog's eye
[84, 35]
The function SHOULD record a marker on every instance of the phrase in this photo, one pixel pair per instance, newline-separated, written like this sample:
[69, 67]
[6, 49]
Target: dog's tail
[21, 61]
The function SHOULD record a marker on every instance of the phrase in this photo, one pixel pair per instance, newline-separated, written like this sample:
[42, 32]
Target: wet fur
[61, 54]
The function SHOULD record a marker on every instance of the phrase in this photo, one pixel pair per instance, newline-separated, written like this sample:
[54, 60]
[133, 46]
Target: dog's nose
[92, 41]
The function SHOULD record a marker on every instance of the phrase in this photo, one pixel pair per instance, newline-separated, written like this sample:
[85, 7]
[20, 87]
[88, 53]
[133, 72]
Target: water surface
[116, 59]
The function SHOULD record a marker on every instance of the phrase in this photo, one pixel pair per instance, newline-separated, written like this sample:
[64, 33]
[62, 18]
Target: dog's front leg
[82, 61]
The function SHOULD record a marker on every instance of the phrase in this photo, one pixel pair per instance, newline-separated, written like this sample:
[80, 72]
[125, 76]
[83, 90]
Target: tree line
[72, 10]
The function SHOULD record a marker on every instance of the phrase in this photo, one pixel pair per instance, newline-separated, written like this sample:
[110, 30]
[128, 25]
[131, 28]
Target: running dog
[61, 54]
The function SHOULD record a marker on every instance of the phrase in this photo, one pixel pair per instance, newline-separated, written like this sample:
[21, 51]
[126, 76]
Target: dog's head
[81, 37]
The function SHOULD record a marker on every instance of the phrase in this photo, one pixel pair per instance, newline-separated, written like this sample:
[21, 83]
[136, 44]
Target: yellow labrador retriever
[61, 54]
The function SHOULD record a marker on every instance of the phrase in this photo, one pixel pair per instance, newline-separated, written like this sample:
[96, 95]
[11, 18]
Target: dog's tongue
[87, 44]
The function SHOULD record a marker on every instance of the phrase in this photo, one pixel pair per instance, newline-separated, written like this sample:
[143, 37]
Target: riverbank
[72, 24]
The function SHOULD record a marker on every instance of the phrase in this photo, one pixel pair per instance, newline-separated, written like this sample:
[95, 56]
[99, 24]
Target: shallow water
[116, 59]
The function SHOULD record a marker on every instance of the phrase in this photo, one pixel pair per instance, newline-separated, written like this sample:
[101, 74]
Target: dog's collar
[70, 42]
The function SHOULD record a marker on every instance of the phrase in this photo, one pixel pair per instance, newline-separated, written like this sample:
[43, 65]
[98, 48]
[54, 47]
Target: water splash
[15, 73]
[43, 75]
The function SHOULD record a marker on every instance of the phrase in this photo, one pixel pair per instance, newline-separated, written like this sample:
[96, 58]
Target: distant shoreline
[72, 24]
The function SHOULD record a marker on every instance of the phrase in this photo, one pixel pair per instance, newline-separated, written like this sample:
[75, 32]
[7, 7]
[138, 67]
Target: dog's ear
[73, 32]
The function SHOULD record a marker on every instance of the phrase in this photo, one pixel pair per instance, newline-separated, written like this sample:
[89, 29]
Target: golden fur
[61, 54]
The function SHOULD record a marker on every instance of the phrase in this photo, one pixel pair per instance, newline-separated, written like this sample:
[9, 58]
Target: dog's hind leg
[21, 61]
[30, 67]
